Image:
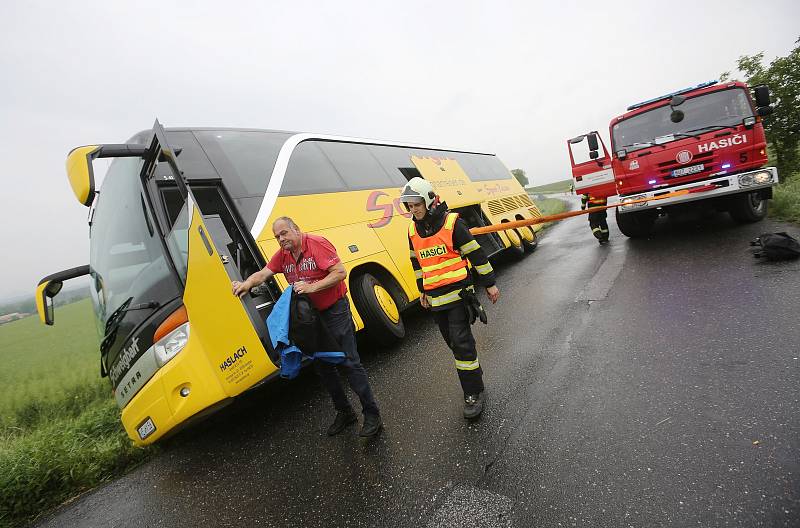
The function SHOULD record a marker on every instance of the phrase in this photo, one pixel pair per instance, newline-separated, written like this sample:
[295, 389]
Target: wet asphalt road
[645, 383]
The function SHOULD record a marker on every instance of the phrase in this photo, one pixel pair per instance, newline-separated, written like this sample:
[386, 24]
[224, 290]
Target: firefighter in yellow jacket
[597, 220]
[441, 245]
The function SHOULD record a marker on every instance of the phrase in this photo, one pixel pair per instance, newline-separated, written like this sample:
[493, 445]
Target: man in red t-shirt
[311, 265]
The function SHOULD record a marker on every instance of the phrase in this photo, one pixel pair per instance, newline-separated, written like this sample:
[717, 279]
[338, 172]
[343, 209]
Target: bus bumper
[183, 387]
[704, 190]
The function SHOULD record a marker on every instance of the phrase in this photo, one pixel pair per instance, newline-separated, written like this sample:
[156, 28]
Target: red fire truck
[703, 144]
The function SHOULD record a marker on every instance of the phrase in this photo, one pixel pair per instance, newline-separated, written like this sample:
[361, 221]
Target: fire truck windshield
[711, 111]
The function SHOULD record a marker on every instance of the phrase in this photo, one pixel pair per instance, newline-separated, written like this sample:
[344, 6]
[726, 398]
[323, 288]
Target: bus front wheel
[378, 309]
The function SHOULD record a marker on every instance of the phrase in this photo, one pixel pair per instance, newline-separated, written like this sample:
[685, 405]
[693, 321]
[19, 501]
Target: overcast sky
[514, 78]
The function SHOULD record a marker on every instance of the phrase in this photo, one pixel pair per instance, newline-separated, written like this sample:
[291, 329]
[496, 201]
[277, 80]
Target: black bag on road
[776, 246]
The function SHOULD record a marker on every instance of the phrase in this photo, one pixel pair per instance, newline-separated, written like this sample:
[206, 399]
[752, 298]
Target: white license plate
[146, 429]
[688, 170]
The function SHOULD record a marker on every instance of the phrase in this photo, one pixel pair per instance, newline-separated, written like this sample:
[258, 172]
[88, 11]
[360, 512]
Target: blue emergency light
[667, 96]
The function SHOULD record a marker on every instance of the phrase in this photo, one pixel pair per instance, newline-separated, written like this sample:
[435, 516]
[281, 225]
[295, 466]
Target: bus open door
[228, 348]
[183, 345]
[591, 172]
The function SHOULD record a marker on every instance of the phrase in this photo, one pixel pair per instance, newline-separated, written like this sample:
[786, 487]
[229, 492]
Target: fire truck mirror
[762, 95]
[592, 139]
[593, 154]
[764, 110]
[676, 116]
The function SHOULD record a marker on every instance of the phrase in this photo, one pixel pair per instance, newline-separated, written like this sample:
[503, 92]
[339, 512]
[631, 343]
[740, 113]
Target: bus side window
[396, 161]
[309, 172]
[358, 168]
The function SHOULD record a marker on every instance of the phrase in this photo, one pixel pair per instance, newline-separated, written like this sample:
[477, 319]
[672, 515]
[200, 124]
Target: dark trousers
[457, 333]
[597, 221]
[339, 321]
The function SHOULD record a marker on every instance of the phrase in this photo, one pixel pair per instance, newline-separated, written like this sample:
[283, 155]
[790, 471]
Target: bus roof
[141, 138]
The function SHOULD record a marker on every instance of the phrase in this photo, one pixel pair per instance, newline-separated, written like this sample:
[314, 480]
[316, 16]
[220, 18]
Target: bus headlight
[755, 178]
[168, 346]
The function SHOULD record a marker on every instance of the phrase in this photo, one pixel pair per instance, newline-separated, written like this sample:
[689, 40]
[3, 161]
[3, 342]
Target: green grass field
[556, 187]
[59, 425]
[551, 206]
[786, 200]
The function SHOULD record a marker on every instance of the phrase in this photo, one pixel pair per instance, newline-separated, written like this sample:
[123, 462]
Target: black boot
[342, 420]
[473, 405]
[372, 425]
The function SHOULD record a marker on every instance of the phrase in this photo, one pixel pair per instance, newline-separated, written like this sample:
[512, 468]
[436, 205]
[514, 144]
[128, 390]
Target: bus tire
[383, 323]
[516, 249]
[746, 208]
[636, 225]
[529, 240]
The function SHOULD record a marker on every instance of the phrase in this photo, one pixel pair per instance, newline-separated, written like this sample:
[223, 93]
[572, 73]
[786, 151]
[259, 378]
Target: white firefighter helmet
[418, 189]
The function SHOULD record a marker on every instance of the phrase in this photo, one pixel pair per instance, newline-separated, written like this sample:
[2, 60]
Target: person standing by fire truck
[597, 219]
[441, 245]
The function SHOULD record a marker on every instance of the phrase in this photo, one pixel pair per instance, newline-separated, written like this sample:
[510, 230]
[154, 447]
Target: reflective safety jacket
[440, 263]
[591, 201]
[441, 247]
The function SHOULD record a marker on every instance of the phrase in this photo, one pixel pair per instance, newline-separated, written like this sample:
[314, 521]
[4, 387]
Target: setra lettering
[738, 139]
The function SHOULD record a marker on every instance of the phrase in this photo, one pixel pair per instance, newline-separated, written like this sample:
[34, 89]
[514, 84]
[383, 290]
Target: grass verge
[550, 206]
[786, 200]
[555, 187]
[60, 431]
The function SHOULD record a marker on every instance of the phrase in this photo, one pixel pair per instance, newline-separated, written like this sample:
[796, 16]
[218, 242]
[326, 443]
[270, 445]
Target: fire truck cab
[704, 143]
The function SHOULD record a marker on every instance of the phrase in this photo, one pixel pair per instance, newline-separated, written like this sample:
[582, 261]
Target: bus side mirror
[44, 300]
[79, 166]
[49, 287]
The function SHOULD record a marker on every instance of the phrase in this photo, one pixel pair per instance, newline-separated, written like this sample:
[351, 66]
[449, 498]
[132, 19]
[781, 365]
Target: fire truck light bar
[667, 96]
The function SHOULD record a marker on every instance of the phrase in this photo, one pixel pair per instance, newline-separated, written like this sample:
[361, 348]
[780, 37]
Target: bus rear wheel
[528, 236]
[747, 208]
[378, 309]
[515, 250]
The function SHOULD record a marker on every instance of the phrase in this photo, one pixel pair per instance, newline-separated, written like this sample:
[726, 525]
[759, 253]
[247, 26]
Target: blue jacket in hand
[279, 324]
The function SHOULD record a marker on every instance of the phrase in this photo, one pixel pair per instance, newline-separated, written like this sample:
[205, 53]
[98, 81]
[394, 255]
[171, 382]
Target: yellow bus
[183, 212]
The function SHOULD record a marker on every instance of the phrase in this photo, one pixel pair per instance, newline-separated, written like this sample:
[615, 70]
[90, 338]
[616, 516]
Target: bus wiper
[114, 320]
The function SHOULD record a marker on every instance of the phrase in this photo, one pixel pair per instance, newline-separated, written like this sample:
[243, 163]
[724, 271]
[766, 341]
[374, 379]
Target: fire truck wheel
[636, 225]
[378, 309]
[528, 236]
[747, 208]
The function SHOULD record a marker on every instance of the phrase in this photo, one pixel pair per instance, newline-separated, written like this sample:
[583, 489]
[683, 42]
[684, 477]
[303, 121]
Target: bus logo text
[387, 209]
[125, 360]
[230, 360]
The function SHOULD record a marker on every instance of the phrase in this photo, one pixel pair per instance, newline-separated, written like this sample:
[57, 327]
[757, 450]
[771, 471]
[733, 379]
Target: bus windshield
[127, 260]
[712, 110]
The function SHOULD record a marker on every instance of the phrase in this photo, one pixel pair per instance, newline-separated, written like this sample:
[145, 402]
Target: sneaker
[473, 405]
[342, 420]
[372, 425]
